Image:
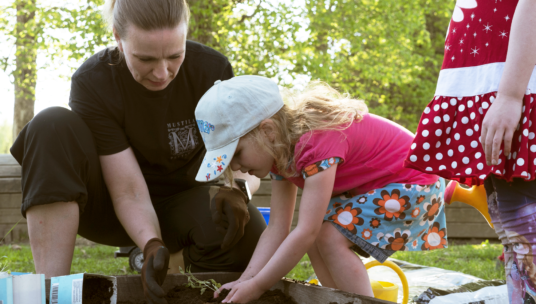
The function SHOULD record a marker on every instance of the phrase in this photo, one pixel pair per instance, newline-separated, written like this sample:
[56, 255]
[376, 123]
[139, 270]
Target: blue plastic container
[265, 211]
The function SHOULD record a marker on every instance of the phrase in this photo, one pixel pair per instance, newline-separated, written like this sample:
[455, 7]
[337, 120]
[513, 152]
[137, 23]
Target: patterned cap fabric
[228, 111]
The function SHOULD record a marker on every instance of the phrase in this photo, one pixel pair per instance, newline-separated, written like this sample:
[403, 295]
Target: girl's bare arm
[281, 212]
[314, 202]
[503, 116]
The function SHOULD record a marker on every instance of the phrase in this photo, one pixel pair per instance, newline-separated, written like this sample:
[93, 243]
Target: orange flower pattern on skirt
[347, 217]
[435, 238]
[366, 234]
[399, 217]
[392, 205]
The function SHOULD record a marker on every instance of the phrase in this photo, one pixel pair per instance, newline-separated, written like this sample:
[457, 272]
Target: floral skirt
[447, 142]
[398, 217]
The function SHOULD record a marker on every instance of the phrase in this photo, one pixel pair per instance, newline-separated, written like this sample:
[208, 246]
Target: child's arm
[281, 212]
[503, 116]
[315, 199]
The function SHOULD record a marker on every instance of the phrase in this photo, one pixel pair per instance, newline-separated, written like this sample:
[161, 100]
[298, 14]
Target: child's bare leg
[321, 270]
[346, 268]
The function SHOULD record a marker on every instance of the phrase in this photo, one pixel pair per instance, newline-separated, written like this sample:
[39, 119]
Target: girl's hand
[228, 286]
[244, 292]
[499, 125]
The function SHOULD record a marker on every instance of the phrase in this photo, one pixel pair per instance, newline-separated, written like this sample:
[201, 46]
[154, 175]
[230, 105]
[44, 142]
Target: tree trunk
[25, 74]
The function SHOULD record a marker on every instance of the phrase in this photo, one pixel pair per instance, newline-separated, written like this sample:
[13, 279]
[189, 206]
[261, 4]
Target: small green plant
[4, 263]
[10, 231]
[194, 282]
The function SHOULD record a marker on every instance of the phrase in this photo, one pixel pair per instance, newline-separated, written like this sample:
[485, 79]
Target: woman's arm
[315, 199]
[503, 116]
[130, 196]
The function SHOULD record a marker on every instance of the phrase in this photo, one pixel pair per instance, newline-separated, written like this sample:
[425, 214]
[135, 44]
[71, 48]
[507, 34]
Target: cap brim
[215, 162]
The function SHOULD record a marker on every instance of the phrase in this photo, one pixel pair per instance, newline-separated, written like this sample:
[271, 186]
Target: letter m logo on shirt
[183, 140]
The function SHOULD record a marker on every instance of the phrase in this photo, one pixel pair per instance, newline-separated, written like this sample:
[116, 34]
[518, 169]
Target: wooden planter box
[130, 290]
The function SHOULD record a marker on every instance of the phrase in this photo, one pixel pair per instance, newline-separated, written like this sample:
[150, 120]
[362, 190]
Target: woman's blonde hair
[145, 14]
[318, 108]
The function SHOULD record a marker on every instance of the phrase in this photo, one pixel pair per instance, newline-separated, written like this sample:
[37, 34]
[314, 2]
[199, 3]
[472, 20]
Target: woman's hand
[227, 286]
[244, 292]
[499, 125]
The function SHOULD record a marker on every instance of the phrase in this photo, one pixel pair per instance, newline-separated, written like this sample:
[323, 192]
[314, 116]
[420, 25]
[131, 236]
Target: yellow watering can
[475, 197]
[389, 291]
[385, 290]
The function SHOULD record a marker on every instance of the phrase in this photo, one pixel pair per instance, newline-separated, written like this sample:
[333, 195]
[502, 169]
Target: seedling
[194, 282]
[10, 231]
[3, 265]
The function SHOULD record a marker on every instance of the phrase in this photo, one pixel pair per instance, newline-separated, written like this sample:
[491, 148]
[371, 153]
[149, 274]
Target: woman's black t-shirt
[160, 126]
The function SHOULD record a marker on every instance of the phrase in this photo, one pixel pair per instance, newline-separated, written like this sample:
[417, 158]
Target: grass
[91, 259]
[478, 260]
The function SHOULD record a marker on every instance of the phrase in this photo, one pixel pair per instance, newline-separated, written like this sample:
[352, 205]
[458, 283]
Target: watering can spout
[475, 197]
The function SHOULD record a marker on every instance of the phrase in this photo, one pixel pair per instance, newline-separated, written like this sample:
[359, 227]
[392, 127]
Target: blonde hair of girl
[317, 108]
[145, 14]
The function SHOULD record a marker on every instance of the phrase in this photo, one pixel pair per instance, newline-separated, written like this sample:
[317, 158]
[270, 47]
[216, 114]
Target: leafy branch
[194, 282]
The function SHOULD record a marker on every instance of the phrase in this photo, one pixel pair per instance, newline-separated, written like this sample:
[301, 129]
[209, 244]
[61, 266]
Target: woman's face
[250, 158]
[154, 57]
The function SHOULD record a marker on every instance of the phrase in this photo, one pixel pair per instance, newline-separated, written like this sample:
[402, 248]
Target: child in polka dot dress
[357, 196]
[480, 127]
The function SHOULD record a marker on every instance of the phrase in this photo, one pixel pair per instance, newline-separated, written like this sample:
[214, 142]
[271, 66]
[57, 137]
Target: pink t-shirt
[372, 150]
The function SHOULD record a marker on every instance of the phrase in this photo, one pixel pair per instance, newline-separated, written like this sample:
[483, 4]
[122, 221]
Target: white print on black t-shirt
[183, 138]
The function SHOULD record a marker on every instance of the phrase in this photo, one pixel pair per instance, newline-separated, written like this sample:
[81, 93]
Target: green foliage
[5, 137]
[255, 35]
[35, 29]
[386, 52]
[194, 282]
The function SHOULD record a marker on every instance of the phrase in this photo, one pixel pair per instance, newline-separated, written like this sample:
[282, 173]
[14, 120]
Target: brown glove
[154, 270]
[230, 214]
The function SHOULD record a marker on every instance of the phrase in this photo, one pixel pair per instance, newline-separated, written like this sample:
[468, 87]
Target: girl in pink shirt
[357, 195]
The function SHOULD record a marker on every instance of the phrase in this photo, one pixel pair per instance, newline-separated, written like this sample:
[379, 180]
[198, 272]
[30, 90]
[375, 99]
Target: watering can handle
[403, 279]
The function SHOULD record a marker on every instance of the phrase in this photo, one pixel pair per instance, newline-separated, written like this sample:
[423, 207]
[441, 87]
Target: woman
[119, 169]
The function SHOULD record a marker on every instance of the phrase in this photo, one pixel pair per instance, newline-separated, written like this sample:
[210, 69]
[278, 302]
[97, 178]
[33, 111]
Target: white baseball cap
[228, 111]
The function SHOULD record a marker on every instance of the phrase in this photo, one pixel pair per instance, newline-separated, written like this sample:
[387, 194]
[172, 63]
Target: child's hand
[227, 286]
[244, 292]
[499, 125]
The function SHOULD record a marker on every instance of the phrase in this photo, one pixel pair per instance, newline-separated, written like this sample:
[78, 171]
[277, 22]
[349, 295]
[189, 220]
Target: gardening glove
[230, 214]
[154, 270]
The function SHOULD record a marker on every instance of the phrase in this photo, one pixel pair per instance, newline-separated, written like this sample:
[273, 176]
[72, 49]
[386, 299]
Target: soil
[97, 291]
[186, 295]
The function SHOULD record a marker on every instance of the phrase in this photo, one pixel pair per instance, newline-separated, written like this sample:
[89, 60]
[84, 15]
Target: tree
[386, 52]
[256, 35]
[35, 29]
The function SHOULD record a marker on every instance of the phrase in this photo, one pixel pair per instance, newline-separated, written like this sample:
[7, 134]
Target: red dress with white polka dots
[447, 142]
